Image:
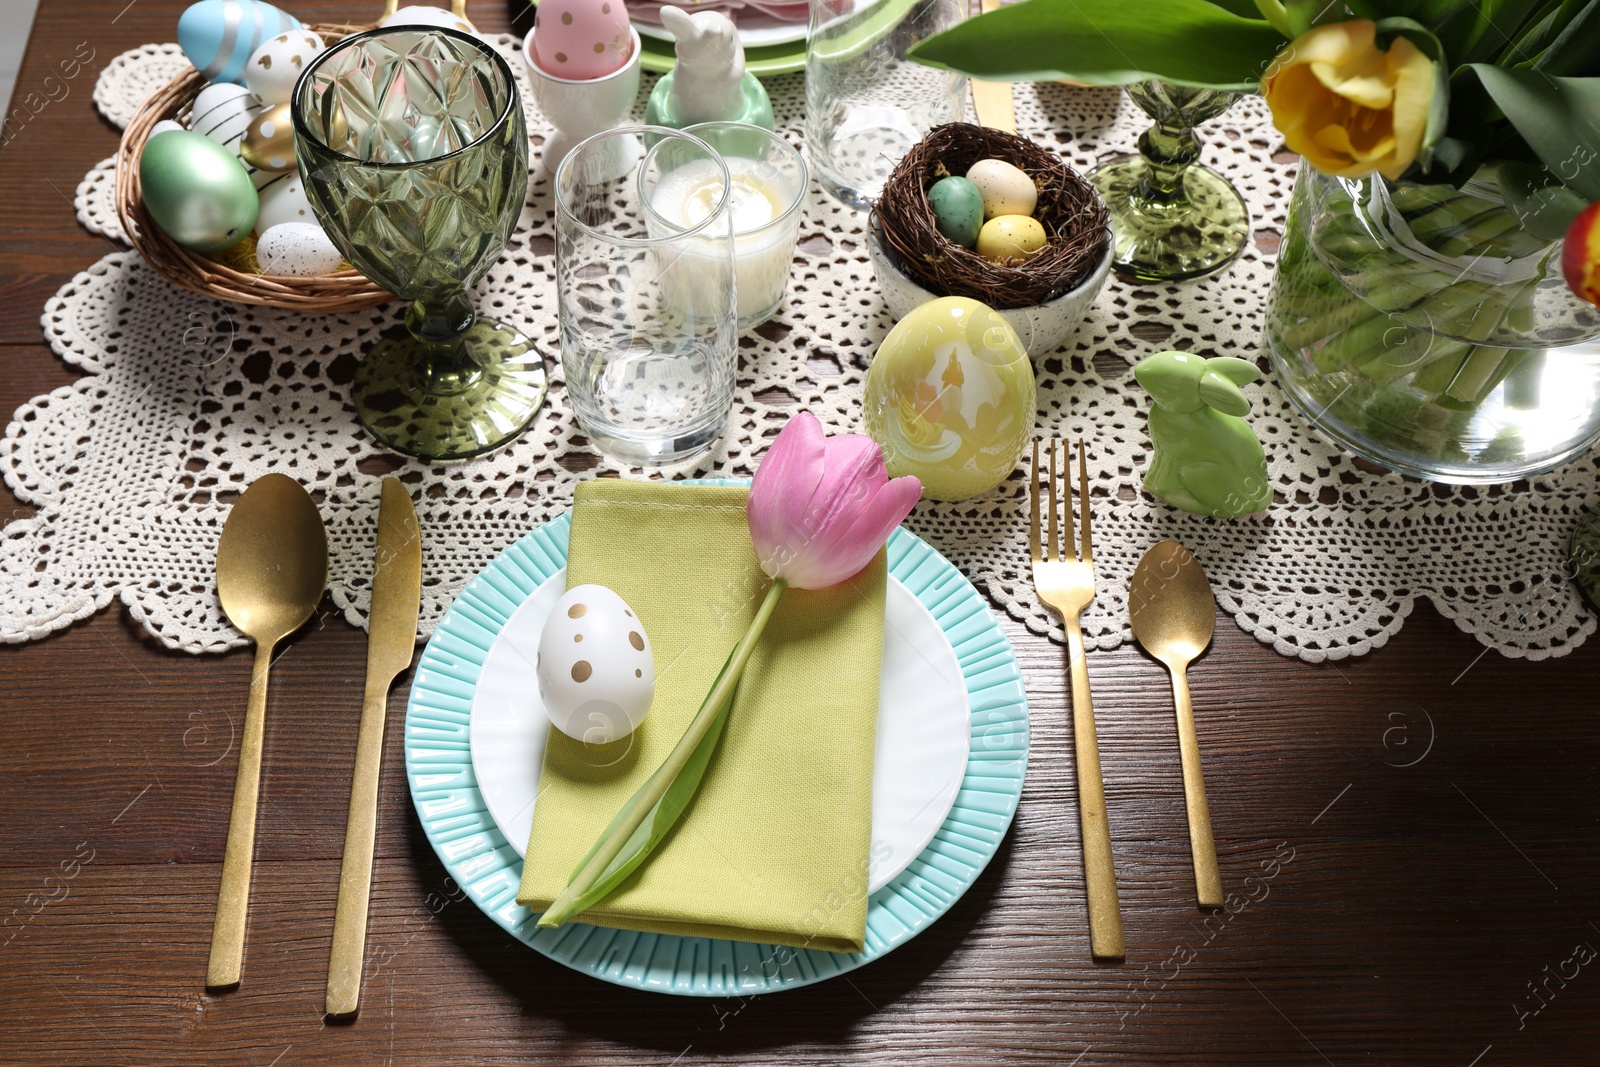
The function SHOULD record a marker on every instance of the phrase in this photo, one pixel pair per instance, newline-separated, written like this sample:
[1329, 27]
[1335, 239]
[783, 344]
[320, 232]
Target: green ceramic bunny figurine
[1207, 459]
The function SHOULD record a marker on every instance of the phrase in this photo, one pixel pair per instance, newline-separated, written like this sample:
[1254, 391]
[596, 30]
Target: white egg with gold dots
[283, 201]
[597, 675]
[277, 64]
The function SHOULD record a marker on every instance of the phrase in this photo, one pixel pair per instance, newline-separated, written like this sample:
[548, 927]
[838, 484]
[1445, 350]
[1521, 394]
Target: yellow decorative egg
[1006, 190]
[950, 398]
[269, 141]
[1010, 239]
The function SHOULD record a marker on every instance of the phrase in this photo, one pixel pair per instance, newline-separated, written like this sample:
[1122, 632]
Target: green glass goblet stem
[414, 153]
[1171, 216]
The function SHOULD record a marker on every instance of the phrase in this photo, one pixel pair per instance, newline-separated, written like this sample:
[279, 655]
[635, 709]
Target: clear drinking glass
[649, 339]
[414, 154]
[769, 188]
[866, 103]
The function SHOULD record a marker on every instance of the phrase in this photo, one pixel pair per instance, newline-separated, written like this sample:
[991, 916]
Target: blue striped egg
[219, 36]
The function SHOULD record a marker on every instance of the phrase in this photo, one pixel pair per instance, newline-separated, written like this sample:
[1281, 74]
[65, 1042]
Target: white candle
[763, 238]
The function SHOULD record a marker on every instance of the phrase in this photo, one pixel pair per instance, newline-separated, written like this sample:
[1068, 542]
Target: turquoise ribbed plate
[452, 811]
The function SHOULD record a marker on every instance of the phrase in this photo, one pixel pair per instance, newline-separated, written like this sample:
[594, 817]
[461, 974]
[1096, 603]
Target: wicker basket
[345, 290]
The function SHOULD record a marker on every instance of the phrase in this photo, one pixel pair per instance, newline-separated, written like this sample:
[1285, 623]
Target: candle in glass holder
[767, 185]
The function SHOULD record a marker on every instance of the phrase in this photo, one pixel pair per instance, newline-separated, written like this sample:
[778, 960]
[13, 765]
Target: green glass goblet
[414, 153]
[1171, 217]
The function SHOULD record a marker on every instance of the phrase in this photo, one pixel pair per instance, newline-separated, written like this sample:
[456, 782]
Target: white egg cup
[581, 108]
[1041, 328]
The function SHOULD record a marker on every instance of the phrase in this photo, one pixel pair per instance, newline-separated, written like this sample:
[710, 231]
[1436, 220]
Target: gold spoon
[272, 568]
[1173, 616]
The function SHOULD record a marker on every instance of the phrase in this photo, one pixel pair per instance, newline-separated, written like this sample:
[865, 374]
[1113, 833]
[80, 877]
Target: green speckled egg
[957, 209]
[197, 191]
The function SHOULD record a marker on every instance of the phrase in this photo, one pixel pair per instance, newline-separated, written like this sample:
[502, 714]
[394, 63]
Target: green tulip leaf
[1386, 30]
[1248, 9]
[1543, 206]
[1543, 24]
[662, 817]
[1487, 26]
[1575, 52]
[1559, 118]
[1109, 42]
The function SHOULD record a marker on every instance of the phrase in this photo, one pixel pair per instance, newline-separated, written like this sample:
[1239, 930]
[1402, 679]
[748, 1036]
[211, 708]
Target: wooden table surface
[1410, 838]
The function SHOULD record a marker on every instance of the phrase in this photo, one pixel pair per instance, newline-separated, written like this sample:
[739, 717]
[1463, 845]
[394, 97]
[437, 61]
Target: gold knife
[992, 100]
[391, 640]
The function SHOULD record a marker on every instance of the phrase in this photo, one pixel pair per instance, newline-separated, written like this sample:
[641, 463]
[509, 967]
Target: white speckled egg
[164, 126]
[222, 111]
[1006, 190]
[419, 15]
[297, 249]
[597, 676]
[274, 67]
[283, 201]
[218, 36]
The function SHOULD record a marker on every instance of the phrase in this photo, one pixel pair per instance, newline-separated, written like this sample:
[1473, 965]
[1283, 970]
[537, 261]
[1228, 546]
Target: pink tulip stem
[643, 802]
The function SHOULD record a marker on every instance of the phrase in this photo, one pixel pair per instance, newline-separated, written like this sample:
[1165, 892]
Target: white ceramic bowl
[1041, 328]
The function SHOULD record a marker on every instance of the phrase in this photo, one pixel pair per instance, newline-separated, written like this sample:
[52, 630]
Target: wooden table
[1410, 838]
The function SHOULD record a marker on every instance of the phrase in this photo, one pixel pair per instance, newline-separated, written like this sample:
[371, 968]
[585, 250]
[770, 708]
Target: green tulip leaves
[1557, 117]
[1109, 42]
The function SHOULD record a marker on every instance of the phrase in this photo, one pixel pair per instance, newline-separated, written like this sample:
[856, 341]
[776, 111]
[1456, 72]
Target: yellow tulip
[1346, 105]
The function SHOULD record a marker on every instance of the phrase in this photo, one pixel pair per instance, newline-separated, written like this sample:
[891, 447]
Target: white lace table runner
[184, 401]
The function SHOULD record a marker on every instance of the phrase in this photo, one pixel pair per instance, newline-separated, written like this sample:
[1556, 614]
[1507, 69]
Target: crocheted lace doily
[184, 401]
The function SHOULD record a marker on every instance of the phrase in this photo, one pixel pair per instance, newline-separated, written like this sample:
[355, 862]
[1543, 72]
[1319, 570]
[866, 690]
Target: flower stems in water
[1390, 301]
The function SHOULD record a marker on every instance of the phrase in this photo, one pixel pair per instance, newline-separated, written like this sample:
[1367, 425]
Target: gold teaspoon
[272, 568]
[1173, 616]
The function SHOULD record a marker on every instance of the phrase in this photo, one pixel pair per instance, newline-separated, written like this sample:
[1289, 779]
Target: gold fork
[1066, 583]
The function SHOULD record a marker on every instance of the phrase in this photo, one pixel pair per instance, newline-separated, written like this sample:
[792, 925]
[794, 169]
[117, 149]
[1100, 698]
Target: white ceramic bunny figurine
[708, 76]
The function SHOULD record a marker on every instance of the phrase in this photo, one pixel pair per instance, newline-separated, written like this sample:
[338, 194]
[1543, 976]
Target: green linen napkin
[774, 846]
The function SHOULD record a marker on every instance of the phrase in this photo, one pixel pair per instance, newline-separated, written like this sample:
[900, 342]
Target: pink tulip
[821, 507]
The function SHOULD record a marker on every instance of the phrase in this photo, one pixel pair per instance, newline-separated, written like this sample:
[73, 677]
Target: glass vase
[1423, 328]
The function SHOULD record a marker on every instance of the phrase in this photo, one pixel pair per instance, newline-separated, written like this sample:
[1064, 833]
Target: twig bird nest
[1074, 220]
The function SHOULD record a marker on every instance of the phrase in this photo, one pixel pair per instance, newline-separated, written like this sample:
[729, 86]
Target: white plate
[755, 31]
[924, 727]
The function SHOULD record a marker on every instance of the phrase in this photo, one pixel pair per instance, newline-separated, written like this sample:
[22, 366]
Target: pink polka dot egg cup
[578, 108]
